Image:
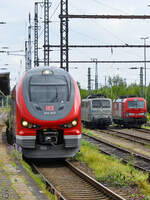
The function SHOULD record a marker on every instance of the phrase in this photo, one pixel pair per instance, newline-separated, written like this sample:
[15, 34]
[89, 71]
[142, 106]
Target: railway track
[70, 183]
[144, 130]
[147, 124]
[134, 135]
[139, 161]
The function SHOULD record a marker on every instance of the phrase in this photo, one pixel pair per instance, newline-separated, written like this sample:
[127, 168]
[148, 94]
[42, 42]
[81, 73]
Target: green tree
[116, 87]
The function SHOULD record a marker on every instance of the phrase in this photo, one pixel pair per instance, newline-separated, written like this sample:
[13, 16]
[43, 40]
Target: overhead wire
[108, 6]
[104, 28]
[50, 19]
[114, 35]
[55, 11]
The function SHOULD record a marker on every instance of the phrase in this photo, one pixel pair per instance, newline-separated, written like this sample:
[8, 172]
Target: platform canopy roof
[4, 84]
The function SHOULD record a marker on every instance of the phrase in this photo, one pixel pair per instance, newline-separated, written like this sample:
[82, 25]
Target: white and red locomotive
[45, 116]
[129, 111]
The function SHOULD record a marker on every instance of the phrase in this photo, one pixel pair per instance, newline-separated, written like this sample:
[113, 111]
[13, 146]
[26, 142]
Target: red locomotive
[46, 114]
[129, 111]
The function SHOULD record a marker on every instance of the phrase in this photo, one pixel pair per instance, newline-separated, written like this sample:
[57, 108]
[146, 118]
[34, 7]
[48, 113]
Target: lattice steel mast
[26, 55]
[141, 81]
[29, 45]
[64, 36]
[36, 59]
[46, 32]
[89, 80]
[96, 74]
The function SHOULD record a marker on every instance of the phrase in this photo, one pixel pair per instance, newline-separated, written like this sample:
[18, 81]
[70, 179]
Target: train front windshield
[136, 104]
[48, 89]
[48, 94]
[101, 104]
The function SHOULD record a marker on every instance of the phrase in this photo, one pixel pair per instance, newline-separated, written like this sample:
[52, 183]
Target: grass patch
[146, 127]
[36, 177]
[89, 132]
[5, 109]
[119, 144]
[148, 117]
[14, 165]
[110, 171]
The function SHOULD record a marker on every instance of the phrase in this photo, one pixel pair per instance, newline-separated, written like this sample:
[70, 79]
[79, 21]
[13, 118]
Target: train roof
[92, 96]
[55, 70]
[4, 84]
[127, 96]
[132, 98]
[91, 99]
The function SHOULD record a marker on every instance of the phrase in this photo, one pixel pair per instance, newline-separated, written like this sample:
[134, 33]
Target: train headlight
[47, 72]
[70, 125]
[25, 123]
[74, 122]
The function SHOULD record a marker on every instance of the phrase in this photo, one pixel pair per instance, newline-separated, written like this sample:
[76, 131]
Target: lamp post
[145, 38]
[96, 73]
[141, 79]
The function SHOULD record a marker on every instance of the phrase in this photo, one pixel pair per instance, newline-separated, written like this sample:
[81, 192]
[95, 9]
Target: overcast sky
[81, 31]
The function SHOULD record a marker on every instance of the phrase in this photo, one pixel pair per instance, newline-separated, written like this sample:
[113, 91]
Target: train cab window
[48, 93]
[49, 89]
[101, 104]
[96, 104]
[136, 104]
[105, 104]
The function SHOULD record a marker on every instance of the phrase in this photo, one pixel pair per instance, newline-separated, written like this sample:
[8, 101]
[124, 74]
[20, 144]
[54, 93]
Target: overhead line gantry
[106, 16]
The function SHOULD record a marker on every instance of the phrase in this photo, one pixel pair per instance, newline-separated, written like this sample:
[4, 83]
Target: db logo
[49, 108]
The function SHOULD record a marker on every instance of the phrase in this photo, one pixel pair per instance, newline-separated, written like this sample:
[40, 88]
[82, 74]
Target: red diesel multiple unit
[46, 114]
[129, 111]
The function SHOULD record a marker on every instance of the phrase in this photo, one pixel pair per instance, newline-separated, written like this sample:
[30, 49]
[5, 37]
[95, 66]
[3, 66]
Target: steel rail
[93, 182]
[131, 137]
[98, 188]
[144, 130]
[51, 188]
[141, 162]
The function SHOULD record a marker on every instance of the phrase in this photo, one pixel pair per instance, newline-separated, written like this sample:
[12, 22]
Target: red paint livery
[129, 111]
[46, 114]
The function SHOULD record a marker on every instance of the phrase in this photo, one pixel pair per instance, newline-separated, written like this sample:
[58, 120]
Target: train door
[120, 109]
[89, 110]
[84, 111]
